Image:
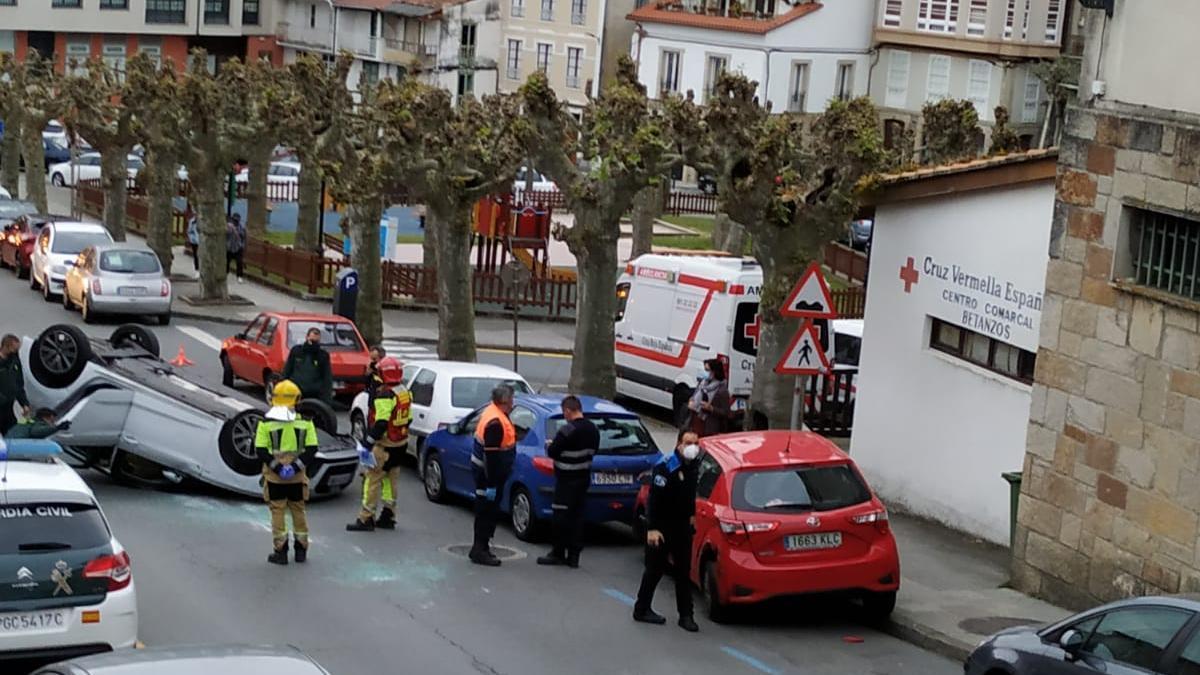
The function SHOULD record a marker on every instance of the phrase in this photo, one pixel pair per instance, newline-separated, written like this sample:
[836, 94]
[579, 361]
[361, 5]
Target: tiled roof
[963, 167]
[656, 12]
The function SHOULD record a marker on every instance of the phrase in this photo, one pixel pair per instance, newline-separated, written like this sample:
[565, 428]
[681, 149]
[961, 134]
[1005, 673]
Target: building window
[845, 80]
[79, 50]
[1033, 92]
[114, 4]
[893, 132]
[668, 72]
[543, 57]
[466, 43]
[574, 56]
[370, 73]
[514, 59]
[891, 12]
[312, 16]
[152, 48]
[716, 66]
[66, 4]
[517, 8]
[8, 39]
[1053, 19]
[897, 79]
[114, 56]
[982, 350]
[979, 88]
[938, 85]
[798, 99]
[1025, 20]
[977, 18]
[216, 11]
[1010, 19]
[938, 16]
[764, 8]
[166, 11]
[1167, 252]
[578, 12]
[547, 10]
[466, 83]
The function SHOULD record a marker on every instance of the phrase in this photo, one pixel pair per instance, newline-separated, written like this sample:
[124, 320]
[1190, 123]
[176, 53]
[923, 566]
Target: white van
[674, 312]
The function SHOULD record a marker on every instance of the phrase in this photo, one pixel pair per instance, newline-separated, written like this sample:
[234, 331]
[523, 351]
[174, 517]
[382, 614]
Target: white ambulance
[674, 312]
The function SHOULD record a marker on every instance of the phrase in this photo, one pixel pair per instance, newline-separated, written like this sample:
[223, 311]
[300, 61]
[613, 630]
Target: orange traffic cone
[181, 359]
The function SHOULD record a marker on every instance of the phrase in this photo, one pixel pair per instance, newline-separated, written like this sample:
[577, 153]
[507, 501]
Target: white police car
[66, 588]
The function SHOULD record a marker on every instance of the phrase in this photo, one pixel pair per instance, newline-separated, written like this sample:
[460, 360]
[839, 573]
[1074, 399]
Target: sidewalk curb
[195, 315]
[911, 630]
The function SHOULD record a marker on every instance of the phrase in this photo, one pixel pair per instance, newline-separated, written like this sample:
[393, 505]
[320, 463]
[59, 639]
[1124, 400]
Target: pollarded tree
[793, 187]
[455, 156]
[98, 109]
[950, 131]
[154, 92]
[623, 146]
[272, 101]
[41, 89]
[12, 113]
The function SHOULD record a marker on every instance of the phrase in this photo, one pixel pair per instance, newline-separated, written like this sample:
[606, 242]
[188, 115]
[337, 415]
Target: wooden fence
[847, 262]
[850, 303]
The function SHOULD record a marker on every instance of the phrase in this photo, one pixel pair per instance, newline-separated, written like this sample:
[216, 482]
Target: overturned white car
[132, 416]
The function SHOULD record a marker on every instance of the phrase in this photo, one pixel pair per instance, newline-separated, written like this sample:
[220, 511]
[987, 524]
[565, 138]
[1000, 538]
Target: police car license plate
[33, 622]
[812, 542]
[608, 478]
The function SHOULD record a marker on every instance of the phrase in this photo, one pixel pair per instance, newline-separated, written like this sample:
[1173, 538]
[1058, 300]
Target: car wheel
[33, 282]
[58, 355]
[85, 309]
[525, 523]
[133, 335]
[717, 611]
[57, 180]
[164, 319]
[133, 471]
[46, 292]
[710, 188]
[66, 298]
[227, 376]
[877, 607]
[236, 443]
[358, 426]
[435, 480]
[22, 272]
[320, 413]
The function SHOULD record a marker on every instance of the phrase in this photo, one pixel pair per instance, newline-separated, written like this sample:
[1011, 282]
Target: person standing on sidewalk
[193, 237]
[670, 515]
[492, 461]
[572, 450]
[235, 245]
[12, 383]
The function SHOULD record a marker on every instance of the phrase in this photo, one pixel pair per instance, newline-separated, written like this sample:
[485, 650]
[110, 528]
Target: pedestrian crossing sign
[804, 356]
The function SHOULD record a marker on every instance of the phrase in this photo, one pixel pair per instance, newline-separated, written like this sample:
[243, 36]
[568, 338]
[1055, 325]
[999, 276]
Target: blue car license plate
[611, 478]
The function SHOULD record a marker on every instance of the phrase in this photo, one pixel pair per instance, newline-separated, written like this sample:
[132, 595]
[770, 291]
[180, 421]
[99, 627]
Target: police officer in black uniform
[572, 450]
[670, 519]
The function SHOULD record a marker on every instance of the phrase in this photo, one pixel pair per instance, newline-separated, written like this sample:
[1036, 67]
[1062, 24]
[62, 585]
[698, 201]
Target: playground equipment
[505, 229]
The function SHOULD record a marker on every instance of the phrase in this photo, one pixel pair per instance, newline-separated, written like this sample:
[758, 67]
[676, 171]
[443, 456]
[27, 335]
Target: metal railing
[1168, 252]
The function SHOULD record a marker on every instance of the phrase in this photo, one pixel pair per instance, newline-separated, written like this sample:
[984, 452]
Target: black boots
[552, 558]
[301, 552]
[386, 520]
[486, 558]
[360, 525]
[279, 556]
[649, 616]
[689, 624]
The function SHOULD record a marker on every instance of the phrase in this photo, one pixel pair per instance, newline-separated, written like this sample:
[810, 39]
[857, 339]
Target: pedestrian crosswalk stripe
[201, 336]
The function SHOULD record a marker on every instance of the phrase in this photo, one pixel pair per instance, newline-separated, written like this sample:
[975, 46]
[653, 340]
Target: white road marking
[201, 336]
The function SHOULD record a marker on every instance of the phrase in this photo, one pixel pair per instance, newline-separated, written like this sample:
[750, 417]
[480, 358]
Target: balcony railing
[746, 10]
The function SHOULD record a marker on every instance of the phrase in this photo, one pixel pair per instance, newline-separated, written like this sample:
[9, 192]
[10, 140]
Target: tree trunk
[114, 181]
[206, 187]
[10, 156]
[364, 257]
[35, 165]
[161, 183]
[309, 210]
[256, 190]
[456, 303]
[735, 239]
[647, 207]
[429, 243]
[595, 248]
[720, 230]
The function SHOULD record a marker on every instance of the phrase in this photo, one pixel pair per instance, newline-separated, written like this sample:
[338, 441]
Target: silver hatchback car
[118, 278]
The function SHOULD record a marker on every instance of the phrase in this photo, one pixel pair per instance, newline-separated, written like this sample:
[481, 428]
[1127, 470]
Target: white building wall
[932, 432]
[1145, 45]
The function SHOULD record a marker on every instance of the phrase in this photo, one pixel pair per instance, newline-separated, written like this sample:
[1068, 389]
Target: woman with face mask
[709, 404]
[670, 516]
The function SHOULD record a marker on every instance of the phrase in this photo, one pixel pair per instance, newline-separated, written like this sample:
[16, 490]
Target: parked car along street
[57, 247]
[87, 167]
[118, 278]
[260, 351]
[17, 240]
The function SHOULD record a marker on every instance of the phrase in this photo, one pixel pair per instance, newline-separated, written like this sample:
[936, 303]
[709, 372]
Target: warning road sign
[805, 355]
[810, 297]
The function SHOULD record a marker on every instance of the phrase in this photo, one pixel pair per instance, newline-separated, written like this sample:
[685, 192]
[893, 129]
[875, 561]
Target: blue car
[626, 453]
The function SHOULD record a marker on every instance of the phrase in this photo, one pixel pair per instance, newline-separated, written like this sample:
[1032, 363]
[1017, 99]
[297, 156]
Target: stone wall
[1111, 491]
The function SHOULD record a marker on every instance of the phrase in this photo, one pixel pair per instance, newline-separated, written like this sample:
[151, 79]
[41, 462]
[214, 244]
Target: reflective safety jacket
[280, 443]
[389, 413]
[495, 448]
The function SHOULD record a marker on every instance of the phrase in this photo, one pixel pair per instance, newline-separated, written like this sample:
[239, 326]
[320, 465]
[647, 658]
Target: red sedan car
[16, 242]
[782, 513]
[260, 351]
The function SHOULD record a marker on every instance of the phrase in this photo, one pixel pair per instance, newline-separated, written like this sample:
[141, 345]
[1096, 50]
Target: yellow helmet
[285, 393]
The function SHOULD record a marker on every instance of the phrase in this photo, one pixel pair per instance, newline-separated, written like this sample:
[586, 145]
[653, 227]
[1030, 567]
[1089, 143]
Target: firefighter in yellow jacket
[285, 444]
[390, 412]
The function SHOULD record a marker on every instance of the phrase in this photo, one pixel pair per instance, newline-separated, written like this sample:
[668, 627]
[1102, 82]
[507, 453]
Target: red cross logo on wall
[753, 330]
[909, 275]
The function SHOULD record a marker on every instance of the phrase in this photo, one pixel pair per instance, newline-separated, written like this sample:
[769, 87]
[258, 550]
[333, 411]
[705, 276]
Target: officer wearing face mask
[309, 367]
[670, 519]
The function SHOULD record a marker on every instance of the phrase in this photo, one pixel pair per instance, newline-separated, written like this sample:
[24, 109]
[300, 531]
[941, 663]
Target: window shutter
[979, 88]
[938, 86]
[897, 80]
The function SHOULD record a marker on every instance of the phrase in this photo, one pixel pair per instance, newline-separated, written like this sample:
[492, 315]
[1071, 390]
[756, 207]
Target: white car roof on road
[466, 369]
[76, 226]
[40, 475]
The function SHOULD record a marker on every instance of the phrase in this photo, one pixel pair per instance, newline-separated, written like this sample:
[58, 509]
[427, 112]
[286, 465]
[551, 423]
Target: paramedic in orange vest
[492, 462]
[390, 411]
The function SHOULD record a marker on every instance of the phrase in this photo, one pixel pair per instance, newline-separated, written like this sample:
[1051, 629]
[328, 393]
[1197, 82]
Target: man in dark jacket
[41, 425]
[308, 366]
[670, 515]
[572, 450]
[12, 383]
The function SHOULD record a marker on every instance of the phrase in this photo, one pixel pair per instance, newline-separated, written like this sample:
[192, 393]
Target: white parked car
[67, 586]
[87, 167]
[443, 392]
[4, 193]
[540, 182]
[284, 172]
[57, 247]
[242, 176]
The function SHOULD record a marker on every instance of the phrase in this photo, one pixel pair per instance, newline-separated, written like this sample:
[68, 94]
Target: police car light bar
[28, 448]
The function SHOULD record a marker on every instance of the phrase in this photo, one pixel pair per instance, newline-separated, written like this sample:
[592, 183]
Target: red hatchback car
[16, 242]
[261, 350]
[781, 513]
